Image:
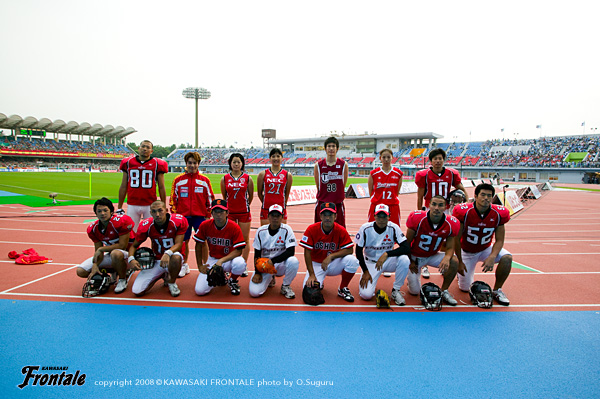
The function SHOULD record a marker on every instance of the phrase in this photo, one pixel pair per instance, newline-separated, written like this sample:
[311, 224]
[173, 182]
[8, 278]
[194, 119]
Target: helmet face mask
[145, 257]
[481, 294]
[431, 296]
[97, 285]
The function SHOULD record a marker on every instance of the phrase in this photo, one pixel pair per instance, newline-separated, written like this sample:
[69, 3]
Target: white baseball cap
[382, 208]
[276, 208]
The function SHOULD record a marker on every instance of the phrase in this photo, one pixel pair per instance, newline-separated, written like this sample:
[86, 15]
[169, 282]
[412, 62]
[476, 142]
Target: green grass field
[75, 187]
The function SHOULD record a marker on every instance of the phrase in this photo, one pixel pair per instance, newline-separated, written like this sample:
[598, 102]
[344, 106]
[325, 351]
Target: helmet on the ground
[481, 294]
[431, 296]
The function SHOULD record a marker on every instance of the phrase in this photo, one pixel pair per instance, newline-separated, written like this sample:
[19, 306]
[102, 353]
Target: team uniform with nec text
[322, 244]
[437, 183]
[221, 241]
[476, 239]
[270, 247]
[237, 198]
[426, 244]
[274, 191]
[141, 184]
[386, 187]
[162, 238]
[117, 226]
[374, 244]
[331, 188]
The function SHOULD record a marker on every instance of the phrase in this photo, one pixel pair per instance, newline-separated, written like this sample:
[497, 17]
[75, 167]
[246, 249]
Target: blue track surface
[385, 354]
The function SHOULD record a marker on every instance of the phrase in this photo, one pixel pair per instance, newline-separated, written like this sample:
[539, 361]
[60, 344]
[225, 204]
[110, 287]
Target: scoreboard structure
[267, 136]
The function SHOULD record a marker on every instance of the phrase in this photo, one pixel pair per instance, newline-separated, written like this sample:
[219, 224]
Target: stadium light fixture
[196, 93]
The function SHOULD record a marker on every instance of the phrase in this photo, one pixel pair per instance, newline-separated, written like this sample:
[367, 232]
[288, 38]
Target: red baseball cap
[218, 203]
[328, 206]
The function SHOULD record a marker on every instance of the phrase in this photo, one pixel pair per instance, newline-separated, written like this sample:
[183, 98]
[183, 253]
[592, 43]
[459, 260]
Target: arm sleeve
[361, 258]
[403, 249]
[284, 256]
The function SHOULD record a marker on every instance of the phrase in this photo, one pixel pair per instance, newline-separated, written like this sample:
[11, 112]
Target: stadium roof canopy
[400, 136]
[59, 126]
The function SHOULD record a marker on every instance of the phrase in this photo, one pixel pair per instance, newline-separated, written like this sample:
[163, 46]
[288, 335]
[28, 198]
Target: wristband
[130, 259]
[169, 252]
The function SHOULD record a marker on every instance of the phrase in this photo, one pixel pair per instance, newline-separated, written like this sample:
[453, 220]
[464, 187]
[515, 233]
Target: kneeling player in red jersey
[110, 235]
[479, 222]
[427, 232]
[328, 252]
[166, 231]
[225, 245]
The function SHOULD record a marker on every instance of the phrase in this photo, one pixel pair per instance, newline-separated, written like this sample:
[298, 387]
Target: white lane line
[44, 243]
[283, 305]
[47, 231]
[39, 279]
[28, 220]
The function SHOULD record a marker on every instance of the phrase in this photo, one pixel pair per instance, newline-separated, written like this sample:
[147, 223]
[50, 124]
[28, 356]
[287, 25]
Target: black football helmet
[145, 257]
[97, 285]
[431, 296]
[481, 294]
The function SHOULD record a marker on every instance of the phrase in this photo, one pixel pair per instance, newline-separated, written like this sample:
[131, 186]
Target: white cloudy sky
[306, 67]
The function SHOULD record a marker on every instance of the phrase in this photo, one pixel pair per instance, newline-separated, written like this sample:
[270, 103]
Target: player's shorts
[147, 277]
[348, 263]
[106, 262]
[340, 217]
[288, 268]
[394, 213]
[414, 280]
[235, 266]
[470, 260]
[395, 264]
[245, 217]
[193, 222]
[138, 213]
[264, 213]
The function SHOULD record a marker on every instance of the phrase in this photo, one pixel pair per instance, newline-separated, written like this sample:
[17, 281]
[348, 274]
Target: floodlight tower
[197, 93]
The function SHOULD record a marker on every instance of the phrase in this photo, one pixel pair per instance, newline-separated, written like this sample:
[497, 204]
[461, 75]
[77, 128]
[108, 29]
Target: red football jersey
[274, 188]
[142, 178]
[322, 244]
[478, 230]
[331, 181]
[386, 186]
[220, 241]
[428, 240]
[237, 193]
[437, 184]
[117, 226]
[162, 238]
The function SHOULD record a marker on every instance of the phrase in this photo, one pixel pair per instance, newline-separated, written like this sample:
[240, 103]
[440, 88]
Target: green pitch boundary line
[38, 202]
[517, 265]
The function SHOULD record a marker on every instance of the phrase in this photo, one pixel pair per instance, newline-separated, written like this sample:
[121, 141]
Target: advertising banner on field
[512, 202]
[302, 195]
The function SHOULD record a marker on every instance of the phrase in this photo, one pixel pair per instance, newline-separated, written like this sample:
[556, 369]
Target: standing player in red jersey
[166, 232]
[426, 232]
[479, 222]
[328, 252]
[436, 180]
[331, 175]
[225, 244]
[274, 185]
[141, 175]
[191, 195]
[384, 183]
[110, 235]
[238, 190]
